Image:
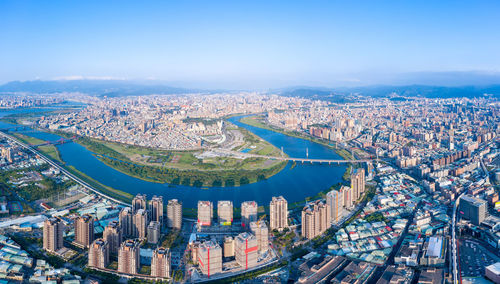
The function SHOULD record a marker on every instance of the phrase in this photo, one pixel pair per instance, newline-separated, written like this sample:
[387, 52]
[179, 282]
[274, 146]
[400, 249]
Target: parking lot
[474, 258]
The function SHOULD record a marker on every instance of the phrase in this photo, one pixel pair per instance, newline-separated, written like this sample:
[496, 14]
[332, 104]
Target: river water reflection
[294, 184]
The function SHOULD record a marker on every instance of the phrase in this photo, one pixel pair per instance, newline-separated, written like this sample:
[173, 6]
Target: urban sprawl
[421, 205]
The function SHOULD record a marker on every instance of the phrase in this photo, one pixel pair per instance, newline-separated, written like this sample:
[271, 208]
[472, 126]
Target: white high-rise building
[205, 213]
[99, 254]
[174, 214]
[278, 213]
[248, 213]
[261, 232]
[246, 250]
[225, 212]
[335, 201]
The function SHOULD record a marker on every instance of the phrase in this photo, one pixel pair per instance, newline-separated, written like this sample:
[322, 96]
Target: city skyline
[250, 142]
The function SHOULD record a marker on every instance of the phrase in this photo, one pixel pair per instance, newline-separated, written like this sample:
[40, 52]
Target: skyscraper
[113, 236]
[278, 213]
[248, 213]
[53, 234]
[174, 214]
[161, 262]
[99, 254]
[261, 232]
[336, 203]
[315, 219]
[205, 213]
[84, 230]
[225, 212]
[153, 232]
[228, 246]
[128, 257]
[125, 218]
[156, 209]
[358, 183]
[246, 250]
[139, 202]
[140, 223]
[346, 192]
[210, 258]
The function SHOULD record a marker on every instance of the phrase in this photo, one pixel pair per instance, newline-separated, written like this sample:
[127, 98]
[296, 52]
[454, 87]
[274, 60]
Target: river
[294, 184]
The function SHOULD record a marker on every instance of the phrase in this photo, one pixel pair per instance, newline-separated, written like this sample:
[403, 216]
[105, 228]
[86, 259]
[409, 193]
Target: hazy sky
[247, 43]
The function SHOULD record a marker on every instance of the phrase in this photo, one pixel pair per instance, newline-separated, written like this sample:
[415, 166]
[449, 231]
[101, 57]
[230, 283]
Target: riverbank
[256, 121]
[104, 189]
[184, 167]
[49, 150]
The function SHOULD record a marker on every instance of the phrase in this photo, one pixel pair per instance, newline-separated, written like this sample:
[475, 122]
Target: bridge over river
[292, 159]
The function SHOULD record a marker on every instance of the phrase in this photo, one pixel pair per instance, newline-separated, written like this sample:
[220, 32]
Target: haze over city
[250, 142]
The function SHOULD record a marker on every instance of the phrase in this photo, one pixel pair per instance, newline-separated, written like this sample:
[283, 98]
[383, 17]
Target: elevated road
[291, 159]
[63, 170]
[454, 249]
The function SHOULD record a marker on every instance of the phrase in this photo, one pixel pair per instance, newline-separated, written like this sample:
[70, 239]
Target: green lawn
[49, 150]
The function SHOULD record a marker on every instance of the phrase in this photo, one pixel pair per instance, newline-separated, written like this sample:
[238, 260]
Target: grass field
[115, 193]
[183, 167]
[49, 150]
[257, 121]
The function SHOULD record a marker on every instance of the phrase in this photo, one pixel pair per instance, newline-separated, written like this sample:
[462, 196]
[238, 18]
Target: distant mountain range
[340, 95]
[110, 88]
[116, 88]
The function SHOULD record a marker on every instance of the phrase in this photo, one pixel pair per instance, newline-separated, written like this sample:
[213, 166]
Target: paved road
[454, 251]
[62, 169]
[307, 160]
[390, 259]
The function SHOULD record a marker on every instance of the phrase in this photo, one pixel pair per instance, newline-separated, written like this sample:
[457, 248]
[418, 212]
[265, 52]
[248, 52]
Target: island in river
[295, 182]
[200, 168]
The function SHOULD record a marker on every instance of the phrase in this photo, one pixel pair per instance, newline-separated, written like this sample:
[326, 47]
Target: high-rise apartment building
[335, 201]
[358, 183]
[128, 257]
[261, 232]
[99, 254]
[205, 213]
[315, 219]
[248, 213]
[140, 223]
[346, 192]
[174, 214]
[113, 236]
[473, 209]
[53, 234]
[139, 202]
[156, 209]
[246, 250]
[210, 258]
[278, 213]
[153, 232]
[228, 246]
[161, 263]
[225, 212]
[84, 230]
[125, 219]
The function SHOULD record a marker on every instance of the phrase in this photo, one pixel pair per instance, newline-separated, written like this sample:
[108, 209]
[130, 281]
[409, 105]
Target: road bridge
[292, 159]
[57, 142]
[63, 170]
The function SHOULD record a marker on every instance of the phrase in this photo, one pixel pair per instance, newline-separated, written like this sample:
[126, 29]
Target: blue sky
[247, 43]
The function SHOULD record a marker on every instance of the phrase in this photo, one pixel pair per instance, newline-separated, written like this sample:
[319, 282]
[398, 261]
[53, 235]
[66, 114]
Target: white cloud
[79, 77]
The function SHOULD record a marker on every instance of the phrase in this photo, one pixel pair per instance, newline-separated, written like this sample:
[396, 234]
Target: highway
[63, 170]
[454, 256]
